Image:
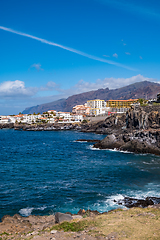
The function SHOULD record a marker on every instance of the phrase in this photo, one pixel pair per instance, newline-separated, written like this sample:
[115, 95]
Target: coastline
[133, 223]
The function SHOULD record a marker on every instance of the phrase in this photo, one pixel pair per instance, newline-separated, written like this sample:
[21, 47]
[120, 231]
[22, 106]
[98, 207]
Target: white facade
[4, 119]
[97, 103]
[30, 118]
[78, 117]
[97, 107]
[65, 115]
[97, 111]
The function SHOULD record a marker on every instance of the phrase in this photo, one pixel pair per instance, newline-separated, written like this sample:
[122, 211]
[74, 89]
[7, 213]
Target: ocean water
[44, 172]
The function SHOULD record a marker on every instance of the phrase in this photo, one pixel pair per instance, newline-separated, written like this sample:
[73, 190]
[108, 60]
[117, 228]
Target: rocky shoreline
[137, 131]
[45, 227]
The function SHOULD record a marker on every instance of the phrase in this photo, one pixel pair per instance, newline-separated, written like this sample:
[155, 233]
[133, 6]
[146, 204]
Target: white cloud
[50, 86]
[111, 83]
[37, 66]
[115, 55]
[127, 53]
[15, 89]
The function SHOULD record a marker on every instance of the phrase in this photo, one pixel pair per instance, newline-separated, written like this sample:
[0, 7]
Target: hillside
[143, 89]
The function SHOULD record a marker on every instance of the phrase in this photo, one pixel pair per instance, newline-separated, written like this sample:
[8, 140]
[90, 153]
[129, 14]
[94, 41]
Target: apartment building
[121, 103]
[96, 103]
[97, 106]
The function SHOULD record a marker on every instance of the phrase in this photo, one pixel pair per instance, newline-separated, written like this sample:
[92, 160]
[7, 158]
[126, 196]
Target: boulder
[61, 217]
[109, 142]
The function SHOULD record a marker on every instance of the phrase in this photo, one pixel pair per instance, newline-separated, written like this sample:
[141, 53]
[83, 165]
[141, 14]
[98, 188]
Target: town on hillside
[92, 108]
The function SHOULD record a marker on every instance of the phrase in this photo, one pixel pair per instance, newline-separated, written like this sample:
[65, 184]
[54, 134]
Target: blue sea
[44, 172]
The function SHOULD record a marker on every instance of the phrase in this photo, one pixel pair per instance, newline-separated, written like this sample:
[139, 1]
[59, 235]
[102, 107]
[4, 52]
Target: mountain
[143, 89]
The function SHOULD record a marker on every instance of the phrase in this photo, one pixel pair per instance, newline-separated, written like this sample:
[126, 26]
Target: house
[81, 110]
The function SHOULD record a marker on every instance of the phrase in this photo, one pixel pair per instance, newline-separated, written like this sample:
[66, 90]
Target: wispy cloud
[127, 53]
[51, 86]
[124, 44]
[37, 66]
[132, 6]
[66, 48]
[106, 56]
[115, 55]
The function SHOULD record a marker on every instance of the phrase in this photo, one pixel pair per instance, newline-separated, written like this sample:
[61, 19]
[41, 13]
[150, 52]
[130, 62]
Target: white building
[4, 119]
[78, 118]
[96, 103]
[65, 115]
[97, 107]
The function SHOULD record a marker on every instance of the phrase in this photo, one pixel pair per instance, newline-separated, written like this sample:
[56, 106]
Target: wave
[25, 212]
[91, 147]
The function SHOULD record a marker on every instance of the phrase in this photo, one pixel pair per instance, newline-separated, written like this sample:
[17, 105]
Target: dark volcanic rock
[109, 142]
[47, 127]
[134, 202]
[137, 146]
[7, 125]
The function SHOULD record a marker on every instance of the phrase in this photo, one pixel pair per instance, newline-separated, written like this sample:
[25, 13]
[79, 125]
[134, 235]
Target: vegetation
[142, 101]
[74, 226]
[84, 121]
[156, 104]
[135, 223]
[4, 233]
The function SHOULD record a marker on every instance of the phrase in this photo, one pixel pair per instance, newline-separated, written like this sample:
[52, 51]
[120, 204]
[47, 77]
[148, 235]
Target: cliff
[136, 131]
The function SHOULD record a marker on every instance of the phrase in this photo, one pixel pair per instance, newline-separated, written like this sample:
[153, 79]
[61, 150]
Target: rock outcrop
[61, 217]
[47, 127]
[134, 202]
[6, 125]
[139, 133]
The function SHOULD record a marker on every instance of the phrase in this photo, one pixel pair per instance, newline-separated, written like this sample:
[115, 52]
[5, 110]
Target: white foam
[41, 208]
[110, 201]
[108, 204]
[150, 190]
[26, 211]
[92, 148]
[111, 150]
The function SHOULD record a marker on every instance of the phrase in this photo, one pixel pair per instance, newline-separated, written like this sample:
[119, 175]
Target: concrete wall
[96, 119]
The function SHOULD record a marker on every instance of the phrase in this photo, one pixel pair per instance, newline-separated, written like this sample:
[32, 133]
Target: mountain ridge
[144, 89]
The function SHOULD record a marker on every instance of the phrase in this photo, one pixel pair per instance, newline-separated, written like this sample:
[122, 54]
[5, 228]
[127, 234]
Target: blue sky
[53, 49]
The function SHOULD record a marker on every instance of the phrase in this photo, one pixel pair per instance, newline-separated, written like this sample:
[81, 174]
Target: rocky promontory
[136, 131]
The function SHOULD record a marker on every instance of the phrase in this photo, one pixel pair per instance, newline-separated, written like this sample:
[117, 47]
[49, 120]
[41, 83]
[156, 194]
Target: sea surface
[44, 172]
